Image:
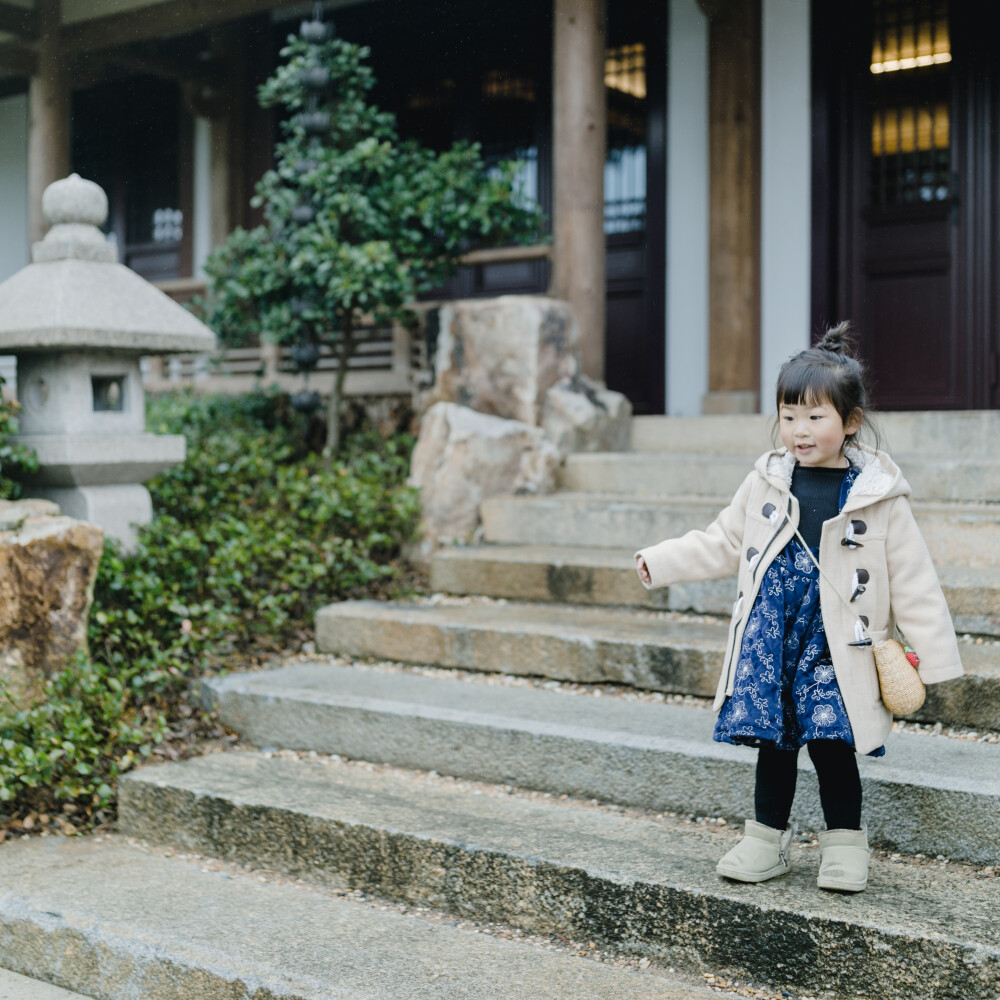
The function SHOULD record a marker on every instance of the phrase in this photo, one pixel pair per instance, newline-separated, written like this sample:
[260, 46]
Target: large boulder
[462, 457]
[48, 565]
[580, 414]
[501, 355]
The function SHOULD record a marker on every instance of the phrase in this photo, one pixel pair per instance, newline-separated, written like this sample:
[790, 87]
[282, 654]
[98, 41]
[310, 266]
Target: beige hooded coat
[902, 586]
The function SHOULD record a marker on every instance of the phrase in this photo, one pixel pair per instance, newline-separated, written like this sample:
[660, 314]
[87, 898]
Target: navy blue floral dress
[785, 691]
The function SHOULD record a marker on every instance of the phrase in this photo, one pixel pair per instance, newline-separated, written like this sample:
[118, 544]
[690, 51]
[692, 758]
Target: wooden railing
[383, 365]
[386, 362]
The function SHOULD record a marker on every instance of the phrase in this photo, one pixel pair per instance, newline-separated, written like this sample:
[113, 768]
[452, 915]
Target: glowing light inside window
[906, 130]
[625, 69]
[910, 45]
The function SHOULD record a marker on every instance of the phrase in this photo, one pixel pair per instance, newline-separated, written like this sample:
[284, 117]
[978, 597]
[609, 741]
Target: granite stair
[122, 921]
[615, 879]
[637, 753]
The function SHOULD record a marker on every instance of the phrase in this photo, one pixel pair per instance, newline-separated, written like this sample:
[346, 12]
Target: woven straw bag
[903, 691]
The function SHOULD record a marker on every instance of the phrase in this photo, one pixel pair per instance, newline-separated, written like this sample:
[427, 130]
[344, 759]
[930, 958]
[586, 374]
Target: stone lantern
[78, 323]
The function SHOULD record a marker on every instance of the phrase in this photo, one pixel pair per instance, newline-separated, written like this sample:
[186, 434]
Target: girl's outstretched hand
[643, 570]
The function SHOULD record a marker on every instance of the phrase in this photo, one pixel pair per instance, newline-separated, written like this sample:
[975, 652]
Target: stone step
[659, 651]
[964, 534]
[588, 575]
[122, 924]
[968, 434]
[586, 873]
[644, 474]
[15, 987]
[929, 794]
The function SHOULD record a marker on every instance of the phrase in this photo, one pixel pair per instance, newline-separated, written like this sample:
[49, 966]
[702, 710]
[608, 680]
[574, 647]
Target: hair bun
[837, 339]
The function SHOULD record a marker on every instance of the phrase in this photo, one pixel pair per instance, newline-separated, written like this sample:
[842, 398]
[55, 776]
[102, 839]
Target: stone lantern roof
[76, 295]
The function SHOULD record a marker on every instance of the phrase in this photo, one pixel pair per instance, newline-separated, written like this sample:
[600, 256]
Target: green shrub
[65, 752]
[15, 459]
[249, 537]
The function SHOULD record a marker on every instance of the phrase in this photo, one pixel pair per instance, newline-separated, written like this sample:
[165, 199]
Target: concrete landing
[635, 753]
[122, 924]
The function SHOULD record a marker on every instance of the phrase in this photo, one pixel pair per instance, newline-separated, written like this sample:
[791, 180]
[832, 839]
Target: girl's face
[814, 433]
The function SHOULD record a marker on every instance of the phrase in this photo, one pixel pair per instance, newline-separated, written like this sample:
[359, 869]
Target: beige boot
[760, 855]
[844, 864]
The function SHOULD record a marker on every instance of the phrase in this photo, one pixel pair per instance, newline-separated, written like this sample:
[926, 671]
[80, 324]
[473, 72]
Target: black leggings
[839, 784]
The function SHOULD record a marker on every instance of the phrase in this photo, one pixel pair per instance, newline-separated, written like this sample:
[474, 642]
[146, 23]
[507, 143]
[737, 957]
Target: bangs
[809, 384]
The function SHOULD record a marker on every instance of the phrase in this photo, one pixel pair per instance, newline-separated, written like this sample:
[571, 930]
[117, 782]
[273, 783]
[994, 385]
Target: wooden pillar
[578, 127]
[48, 116]
[734, 199]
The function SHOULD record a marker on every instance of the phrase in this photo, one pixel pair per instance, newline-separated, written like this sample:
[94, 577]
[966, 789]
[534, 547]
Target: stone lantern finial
[75, 208]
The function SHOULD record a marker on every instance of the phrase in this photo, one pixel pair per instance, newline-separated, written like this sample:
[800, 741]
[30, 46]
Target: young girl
[799, 668]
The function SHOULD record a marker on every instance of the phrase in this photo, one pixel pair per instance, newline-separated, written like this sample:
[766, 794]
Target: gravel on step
[308, 655]
[552, 942]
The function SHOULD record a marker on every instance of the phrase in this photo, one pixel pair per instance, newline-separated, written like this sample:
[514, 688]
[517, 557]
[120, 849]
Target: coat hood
[879, 478]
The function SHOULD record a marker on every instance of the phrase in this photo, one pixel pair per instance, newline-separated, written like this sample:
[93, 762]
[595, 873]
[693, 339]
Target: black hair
[829, 373]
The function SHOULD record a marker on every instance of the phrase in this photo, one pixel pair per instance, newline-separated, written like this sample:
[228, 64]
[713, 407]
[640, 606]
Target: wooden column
[734, 200]
[48, 116]
[578, 128]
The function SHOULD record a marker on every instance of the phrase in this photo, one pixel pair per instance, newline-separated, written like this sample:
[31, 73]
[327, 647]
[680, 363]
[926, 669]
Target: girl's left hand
[643, 570]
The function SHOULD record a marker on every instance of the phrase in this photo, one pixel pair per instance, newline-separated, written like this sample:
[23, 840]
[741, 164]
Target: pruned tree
[358, 221]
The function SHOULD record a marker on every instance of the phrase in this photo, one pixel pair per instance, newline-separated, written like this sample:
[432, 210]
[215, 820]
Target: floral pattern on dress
[785, 689]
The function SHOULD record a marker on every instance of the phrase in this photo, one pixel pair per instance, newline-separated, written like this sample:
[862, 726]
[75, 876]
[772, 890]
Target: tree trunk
[345, 347]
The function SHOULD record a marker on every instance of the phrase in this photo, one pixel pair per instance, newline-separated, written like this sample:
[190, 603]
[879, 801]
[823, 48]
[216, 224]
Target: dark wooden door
[904, 197]
[634, 204]
[133, 137]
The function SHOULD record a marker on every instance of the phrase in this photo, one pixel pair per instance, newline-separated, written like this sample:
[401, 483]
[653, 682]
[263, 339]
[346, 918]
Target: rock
[500, 356]
[48, 565]
[13, 513]
[462, 457]
[580, 414]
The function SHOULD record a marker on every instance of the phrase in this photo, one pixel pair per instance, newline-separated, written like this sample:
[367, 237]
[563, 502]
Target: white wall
[13, 184]
[786, 183]
[687, 209]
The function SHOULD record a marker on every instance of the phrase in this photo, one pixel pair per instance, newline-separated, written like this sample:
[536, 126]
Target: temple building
[722, 178]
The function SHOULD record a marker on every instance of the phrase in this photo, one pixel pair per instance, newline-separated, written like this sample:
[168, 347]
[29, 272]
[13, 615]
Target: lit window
[908, 44]
[625, 69]
[907, 130]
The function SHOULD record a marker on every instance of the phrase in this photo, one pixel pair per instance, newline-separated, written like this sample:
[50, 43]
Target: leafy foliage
[15, 459]
[249, 537]
[359, 222]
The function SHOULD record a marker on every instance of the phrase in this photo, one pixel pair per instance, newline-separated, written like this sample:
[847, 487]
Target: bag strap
[833, 587]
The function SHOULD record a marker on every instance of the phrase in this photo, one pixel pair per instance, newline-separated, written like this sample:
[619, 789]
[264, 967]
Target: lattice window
[911, 103]
[625, 69]
[625, 165]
